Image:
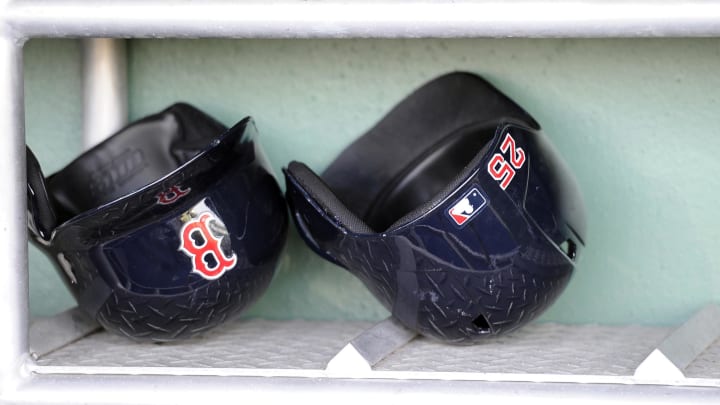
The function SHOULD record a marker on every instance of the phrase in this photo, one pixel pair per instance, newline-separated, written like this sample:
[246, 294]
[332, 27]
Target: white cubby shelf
[67, 359]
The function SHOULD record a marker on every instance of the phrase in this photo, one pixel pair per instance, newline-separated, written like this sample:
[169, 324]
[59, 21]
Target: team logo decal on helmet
[469, 205]
[502, 171]
[204, 248]
[171, 195]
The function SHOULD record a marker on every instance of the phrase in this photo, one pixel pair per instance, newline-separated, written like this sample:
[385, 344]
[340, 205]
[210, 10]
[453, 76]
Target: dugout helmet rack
[376, 365]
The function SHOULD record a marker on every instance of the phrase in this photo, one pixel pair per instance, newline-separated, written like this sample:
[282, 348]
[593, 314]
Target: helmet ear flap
[319, 214]
[316, 188]
[41, 216]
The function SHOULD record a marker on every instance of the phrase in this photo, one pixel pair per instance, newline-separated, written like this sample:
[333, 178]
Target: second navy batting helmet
[454, 210]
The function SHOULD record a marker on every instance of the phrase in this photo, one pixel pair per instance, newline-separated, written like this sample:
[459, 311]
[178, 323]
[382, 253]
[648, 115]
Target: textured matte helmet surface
[454, 210]
[165, 229]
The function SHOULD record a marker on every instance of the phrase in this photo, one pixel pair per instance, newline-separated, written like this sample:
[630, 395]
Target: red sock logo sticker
[171, 195]
[198, 242]
[467, 207]
[502, 171]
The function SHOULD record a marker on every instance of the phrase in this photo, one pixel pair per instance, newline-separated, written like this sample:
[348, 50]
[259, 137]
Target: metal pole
[13, 239]
[105, 107]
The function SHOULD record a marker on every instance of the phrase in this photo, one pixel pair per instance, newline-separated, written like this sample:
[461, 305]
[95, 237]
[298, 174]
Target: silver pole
[13, 240]
[105, 108]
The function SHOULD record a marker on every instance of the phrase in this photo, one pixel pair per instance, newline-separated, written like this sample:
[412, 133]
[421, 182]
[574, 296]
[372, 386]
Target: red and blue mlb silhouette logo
[467, 207]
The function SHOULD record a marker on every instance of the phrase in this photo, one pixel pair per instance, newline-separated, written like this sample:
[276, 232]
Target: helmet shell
[480, 255]
[184, 251]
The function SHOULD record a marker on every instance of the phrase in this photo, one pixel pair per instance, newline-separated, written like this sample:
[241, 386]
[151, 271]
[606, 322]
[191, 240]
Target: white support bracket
[13, 185]
[682, 346]
[370, 347]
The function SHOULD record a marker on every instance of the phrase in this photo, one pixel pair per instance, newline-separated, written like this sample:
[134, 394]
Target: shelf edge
[376, 19]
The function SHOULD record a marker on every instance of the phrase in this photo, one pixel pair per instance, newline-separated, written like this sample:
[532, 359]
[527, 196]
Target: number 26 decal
[502, 170]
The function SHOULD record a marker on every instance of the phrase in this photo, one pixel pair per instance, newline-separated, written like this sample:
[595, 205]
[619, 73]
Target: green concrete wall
[637, 120]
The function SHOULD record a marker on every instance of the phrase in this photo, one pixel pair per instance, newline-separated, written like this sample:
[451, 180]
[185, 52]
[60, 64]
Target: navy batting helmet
[165, 229]
[454, 210]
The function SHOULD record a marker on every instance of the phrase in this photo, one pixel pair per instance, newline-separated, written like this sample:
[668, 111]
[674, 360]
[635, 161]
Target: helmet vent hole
[482, 324]
[569, 248]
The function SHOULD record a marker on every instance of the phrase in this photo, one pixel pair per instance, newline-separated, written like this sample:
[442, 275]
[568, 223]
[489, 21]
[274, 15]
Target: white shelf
[540, 351]
[363, 18]
[541, 362]
[707, 365]
[266, 361]
[255, 344]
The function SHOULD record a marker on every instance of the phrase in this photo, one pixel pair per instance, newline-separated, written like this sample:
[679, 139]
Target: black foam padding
[455, 105]
[431, 182]
[135, 156]
[326, 198]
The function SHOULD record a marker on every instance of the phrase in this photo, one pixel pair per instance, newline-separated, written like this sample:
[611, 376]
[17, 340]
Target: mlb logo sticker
[467, 207]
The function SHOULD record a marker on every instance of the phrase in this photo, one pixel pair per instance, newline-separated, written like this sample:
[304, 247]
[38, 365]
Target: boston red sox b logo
[198, 242]
[171, 195]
